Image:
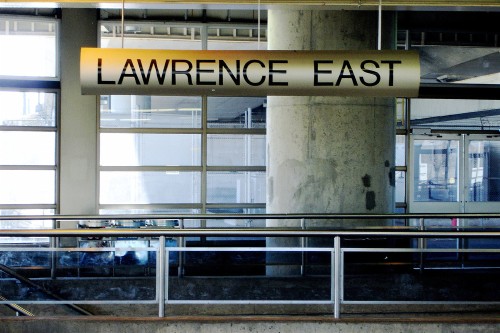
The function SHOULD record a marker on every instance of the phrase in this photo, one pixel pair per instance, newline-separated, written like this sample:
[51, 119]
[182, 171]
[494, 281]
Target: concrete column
[78, 146]
[328, 154]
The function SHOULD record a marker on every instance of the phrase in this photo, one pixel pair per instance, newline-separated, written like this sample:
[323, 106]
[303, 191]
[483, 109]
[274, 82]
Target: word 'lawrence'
[252, 72]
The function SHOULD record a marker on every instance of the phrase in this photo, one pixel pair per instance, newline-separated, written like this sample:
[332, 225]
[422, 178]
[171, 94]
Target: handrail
[337, 234]
[236, 232]
[298, 216]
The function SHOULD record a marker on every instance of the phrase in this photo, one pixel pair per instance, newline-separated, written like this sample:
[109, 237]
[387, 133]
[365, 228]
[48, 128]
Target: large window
[28, 120]
[178, 154]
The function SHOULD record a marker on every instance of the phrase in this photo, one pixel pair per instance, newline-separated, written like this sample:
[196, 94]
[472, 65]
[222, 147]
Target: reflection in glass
[236, 112]
[236, 187]
[149, 187]
[26, 224]
[484, 174]
[436, 170]
[130, 149]
[400, 186]
[28, 48]
[236, 150]
[459, 114]
[27, 108]
[150, 112]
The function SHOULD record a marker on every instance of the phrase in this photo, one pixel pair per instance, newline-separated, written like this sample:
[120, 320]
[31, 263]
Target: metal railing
[337, 252]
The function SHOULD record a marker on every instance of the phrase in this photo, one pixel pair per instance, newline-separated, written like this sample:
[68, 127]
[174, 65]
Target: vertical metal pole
[180, 269]
[53, 253]
[166, 264]
[379, 25]
[123, 23]
[421, 243]
[303, 245]
[258, 25]
[160, 277]
[336, 277]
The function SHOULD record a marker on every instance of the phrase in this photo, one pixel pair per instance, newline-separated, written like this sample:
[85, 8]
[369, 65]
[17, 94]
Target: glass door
[436, 173]
[454, 174]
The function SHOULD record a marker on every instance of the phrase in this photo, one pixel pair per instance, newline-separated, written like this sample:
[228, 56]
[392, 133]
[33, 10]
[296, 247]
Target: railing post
[421, 243]
[160, 277]
[53, 254]
[180, 269]
[336, 277]
[303, 244]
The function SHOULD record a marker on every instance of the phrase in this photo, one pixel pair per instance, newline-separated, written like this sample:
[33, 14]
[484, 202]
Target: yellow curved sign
[249, 73]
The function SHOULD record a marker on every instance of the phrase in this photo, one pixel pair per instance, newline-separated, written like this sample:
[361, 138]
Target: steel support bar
[336, 282]
[161, 276]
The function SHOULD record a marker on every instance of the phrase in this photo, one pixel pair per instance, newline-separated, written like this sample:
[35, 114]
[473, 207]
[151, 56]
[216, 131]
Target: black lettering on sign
[200, 70]
[351, 75]
[391, 69]
[245, 71]
[124, 74]
[273, 71]
[317, 72]
[146, 76]
[186, 72]
[99, 74]
[223, 66]
[371, 72]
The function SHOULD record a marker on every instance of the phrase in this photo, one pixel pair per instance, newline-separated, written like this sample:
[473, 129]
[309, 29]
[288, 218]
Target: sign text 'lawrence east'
[249, 73]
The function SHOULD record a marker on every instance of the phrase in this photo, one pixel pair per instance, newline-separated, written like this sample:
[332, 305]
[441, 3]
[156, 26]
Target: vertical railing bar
[336, 293]
[341, 275]
[303, 245]
[160, 284]
[180, 269]
[53, 258]
[421, 243]
[167, 274]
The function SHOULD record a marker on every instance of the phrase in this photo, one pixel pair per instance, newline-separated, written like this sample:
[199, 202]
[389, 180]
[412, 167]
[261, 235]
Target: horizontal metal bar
[418, 302]
[237, 232]
[5, 248]
[318, 216]
[28, 167]
[403, 250]
[245, 302]
[152, 301]
[243, 249]
[142, 168]
[197, 131]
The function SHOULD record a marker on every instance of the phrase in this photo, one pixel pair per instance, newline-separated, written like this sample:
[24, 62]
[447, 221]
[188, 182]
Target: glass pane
[236, 150]
[436, 170]
[26, 224]
[28, 148]
[459, 64]
[400, 150]
[236, 38]
[236, 187]
[400, 186]
[459, 114]
[28, 47]
[151, 35]
[401, 112]
[236, 112]
[129, 149]
[484, 174]
[135, 187]
[150, 112]
[149, 211]
[27, 108]
[27, 186]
